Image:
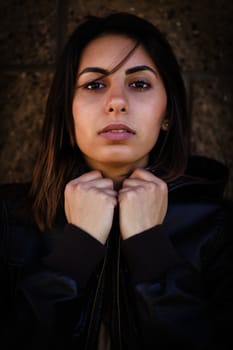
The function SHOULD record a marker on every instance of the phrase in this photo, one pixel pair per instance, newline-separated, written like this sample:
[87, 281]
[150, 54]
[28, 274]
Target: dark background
[32, 34]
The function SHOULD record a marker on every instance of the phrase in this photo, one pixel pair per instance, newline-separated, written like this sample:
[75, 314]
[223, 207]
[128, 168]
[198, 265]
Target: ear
[165, 124]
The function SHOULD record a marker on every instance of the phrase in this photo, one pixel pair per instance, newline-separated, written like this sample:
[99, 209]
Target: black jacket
[171, 285]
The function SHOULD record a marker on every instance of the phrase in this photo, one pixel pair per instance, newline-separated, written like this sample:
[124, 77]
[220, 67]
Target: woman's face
[118, 117]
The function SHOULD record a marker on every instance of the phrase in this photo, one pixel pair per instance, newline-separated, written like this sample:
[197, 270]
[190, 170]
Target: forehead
[108, 50]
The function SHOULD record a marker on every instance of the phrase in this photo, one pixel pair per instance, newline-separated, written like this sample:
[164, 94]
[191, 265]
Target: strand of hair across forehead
[114, 69]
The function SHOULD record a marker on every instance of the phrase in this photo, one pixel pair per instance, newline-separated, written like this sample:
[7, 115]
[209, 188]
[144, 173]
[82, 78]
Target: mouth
[117, 132]
[117, 128]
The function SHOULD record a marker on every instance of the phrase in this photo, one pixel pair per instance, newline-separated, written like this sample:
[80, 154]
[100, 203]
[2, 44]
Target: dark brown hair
[59, 159]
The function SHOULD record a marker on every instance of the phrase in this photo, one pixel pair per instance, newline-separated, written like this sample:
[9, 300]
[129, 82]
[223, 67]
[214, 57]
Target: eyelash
[139, 85]
[93, 85]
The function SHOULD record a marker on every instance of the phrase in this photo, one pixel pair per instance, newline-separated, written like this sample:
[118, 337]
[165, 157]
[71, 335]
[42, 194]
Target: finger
[124, 190]
[111, 193]
[91, 175]
[99, 183]
[133, 182]
[145, 175]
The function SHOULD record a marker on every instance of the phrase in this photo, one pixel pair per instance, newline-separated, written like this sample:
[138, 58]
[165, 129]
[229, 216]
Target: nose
[116, 102]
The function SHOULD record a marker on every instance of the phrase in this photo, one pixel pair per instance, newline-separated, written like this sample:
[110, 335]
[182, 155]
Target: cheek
[80, 130]
[152, 124]
[77, 116]
[154, 105]
[83, 130]
[155, 114]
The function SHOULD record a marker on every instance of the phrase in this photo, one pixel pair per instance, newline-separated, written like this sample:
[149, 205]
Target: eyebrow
[107, 72]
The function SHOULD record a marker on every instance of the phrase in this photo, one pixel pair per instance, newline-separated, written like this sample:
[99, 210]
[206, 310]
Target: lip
[117, 127]
[117, 132]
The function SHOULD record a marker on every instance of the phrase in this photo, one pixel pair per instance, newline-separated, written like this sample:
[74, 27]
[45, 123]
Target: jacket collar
[205, 174]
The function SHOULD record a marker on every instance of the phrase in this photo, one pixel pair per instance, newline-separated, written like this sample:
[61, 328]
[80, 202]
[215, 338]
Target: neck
[118, 175]
[117, 172]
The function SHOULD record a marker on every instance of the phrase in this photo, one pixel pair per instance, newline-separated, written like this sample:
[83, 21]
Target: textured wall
[33, 33]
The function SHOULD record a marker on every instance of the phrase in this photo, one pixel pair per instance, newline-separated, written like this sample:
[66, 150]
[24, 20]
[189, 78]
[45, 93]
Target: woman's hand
[89, 204]
[143, 202]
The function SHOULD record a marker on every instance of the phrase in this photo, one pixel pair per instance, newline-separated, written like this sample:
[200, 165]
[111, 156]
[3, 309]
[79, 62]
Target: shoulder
[199, 215]
[204, 180]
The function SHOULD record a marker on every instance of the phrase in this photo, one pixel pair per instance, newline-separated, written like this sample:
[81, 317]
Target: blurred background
[33, 33]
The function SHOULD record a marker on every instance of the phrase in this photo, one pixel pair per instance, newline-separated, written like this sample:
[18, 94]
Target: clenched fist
[143, 202]
[89, 204]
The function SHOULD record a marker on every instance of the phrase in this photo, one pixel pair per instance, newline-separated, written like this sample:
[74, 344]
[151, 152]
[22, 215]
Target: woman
[121, 241]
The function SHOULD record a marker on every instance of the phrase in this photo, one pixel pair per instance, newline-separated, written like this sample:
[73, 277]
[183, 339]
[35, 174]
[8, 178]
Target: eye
[140, 85]
[93, 85]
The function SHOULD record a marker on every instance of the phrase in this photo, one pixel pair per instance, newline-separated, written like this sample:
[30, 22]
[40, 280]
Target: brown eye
[93, 85]
[140, 85]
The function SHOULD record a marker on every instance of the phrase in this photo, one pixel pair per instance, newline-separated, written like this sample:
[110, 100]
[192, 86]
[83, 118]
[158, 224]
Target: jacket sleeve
[37, 294]
[75, 253]
[176, 302]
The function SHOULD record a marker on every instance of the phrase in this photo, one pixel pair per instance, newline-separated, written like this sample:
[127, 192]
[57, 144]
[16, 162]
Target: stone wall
[33, 33]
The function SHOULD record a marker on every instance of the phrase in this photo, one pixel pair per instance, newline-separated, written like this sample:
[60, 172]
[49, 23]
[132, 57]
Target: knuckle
[138, 189]
[132, 195]
[109, 183]
[83, 186]
[151, 186]
[68, 187]
[102, 196]
[163, 186]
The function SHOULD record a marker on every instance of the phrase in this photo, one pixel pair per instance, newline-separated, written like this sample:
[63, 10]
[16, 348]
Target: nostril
[112, 109]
